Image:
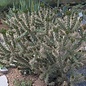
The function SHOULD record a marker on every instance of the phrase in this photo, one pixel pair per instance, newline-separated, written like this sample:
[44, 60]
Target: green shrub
[19, 4]
[5, 4]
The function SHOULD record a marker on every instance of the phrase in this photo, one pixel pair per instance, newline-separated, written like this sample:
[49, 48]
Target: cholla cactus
[44, 43]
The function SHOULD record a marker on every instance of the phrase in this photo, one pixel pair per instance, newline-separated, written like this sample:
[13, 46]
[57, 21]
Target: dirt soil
[14, 74]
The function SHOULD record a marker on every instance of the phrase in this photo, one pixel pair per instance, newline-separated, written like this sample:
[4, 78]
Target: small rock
[3, 70]
[3, 80]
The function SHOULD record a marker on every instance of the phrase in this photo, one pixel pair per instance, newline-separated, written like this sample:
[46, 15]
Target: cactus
[43, 43]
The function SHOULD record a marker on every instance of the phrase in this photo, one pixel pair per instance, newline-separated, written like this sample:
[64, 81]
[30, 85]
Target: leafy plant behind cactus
[26, 5]
[18, 5]
[43, 43]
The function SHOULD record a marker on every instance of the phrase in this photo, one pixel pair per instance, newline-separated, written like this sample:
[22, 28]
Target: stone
[3, 80]
[4, 70]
